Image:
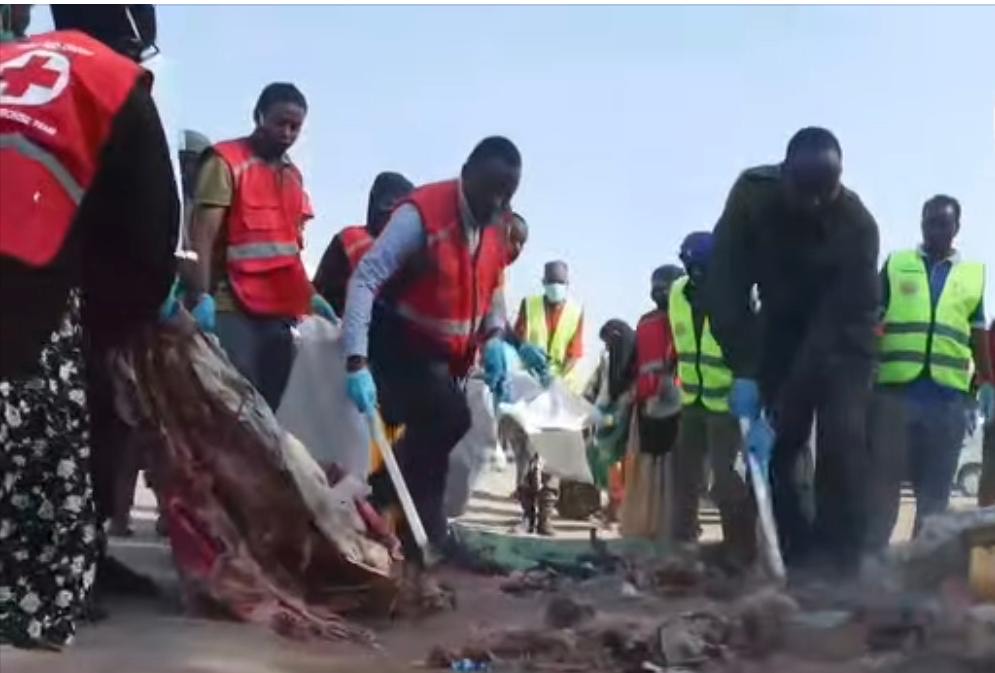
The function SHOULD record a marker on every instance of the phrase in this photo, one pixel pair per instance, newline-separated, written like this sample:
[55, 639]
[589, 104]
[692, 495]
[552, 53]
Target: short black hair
[813, 138]
[495, 147]
[943, 200]
[278, 92]
[522, 222]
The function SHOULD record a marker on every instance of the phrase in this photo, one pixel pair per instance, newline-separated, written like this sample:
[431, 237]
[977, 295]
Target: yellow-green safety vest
[701, 366]
[537, 333]
[916, 335]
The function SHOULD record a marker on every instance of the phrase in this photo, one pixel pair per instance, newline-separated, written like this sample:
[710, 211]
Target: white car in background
[968, 475]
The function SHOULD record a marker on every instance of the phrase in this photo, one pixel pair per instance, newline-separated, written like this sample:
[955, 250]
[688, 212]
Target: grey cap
[194, 141]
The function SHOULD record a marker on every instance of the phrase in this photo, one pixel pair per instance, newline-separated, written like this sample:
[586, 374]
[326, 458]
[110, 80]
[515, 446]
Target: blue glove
[171, 304]
[496, 368]
[986, 402]
[361, 389]
[536, 361]
[760, 442]
[205, 312]
[321, 307]
[744, 399]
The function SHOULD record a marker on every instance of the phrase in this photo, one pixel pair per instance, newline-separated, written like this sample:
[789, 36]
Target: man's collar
[953, 256]
[464, 208]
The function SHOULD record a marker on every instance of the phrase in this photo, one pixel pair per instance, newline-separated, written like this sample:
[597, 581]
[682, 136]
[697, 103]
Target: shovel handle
[400, 486]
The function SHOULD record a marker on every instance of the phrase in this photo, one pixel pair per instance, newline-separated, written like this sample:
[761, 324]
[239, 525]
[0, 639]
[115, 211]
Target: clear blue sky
[633, 121]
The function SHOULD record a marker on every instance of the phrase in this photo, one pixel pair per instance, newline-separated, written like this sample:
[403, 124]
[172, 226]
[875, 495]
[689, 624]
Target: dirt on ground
[671, 616]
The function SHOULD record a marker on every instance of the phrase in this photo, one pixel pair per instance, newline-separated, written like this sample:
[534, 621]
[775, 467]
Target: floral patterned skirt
[48, 531]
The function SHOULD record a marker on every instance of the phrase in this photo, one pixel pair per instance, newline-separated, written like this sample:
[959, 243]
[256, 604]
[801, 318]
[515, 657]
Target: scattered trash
[564, 612]
[678, 575]
[762, 620]
[531, 581]
[981, 633]
[825, 635]
[693, 638]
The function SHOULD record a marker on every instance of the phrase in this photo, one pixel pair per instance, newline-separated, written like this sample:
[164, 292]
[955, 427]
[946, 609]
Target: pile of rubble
[915, 612]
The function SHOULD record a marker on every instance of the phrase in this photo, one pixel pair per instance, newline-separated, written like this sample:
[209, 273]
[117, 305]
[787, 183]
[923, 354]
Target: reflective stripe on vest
[356, 242]
[449, 289]
[59, 93]
[916, 335]
[441, 326]
[651, 367]
[20, 144]
[263, 227]
[537, 331]
[701, 366]
[261, 251]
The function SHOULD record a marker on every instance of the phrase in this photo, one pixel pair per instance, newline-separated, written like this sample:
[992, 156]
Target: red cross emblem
[33, 78]
[16, 80]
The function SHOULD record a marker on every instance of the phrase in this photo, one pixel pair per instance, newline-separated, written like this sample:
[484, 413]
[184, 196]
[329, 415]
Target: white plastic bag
[470, 456]
[315, 408]
[554, 418]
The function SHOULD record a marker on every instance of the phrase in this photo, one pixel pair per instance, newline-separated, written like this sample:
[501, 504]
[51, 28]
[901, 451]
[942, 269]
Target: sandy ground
[152, 636]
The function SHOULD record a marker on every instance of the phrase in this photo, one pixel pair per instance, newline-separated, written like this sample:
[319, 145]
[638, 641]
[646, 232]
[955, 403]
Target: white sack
[470, 455]
[315, 408]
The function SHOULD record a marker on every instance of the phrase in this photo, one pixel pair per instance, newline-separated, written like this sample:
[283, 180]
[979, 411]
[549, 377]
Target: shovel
[770, 550]
[379, 435]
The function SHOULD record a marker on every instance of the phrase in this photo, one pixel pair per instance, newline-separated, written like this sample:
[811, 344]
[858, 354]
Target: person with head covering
[88, 210]
[247, 230]
[657, 414]
[611, 389]
[709, 430]
[934, 330]
[554, 321]
[810, 247]
[350, 245]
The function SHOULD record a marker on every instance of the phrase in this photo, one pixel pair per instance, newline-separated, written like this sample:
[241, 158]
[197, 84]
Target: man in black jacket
[810, 247]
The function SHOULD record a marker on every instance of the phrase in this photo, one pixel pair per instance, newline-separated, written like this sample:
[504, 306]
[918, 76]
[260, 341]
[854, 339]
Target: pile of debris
[682, 614]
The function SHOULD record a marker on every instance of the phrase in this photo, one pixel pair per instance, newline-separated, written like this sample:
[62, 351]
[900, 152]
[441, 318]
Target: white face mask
[556, 293]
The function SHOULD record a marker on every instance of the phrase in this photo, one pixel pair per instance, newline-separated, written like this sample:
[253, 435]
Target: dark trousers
[838, 398]
[715, 437]
[918, 439]
[986, 490]
[262, 350]
[422, 395]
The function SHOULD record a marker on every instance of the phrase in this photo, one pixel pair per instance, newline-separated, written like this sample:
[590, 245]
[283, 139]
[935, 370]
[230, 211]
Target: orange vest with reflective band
[654, 350]
[356, 242]
[59, 95]
[445, 301]
[264, 232]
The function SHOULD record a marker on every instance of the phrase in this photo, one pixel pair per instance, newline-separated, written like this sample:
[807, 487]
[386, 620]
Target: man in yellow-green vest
[554, 321]
[933, 345]
[709, 430]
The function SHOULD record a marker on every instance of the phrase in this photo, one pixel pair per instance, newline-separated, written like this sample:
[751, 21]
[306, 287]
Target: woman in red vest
[417, 306]
[657, 417]
[350, 245]
[88, 209]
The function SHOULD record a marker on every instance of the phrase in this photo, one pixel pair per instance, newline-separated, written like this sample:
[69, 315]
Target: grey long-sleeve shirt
[402, 238]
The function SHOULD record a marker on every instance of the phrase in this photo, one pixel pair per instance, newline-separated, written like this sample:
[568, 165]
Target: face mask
[556, 293]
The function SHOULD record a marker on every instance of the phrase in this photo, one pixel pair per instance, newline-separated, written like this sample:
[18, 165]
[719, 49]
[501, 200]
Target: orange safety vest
[654, 349]
[59, 95]
[356, 242]
[263, 224]
[445, 300]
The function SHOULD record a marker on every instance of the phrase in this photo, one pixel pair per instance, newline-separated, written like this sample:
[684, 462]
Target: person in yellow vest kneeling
[708, 427]
[934, 322]
[554, 321]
